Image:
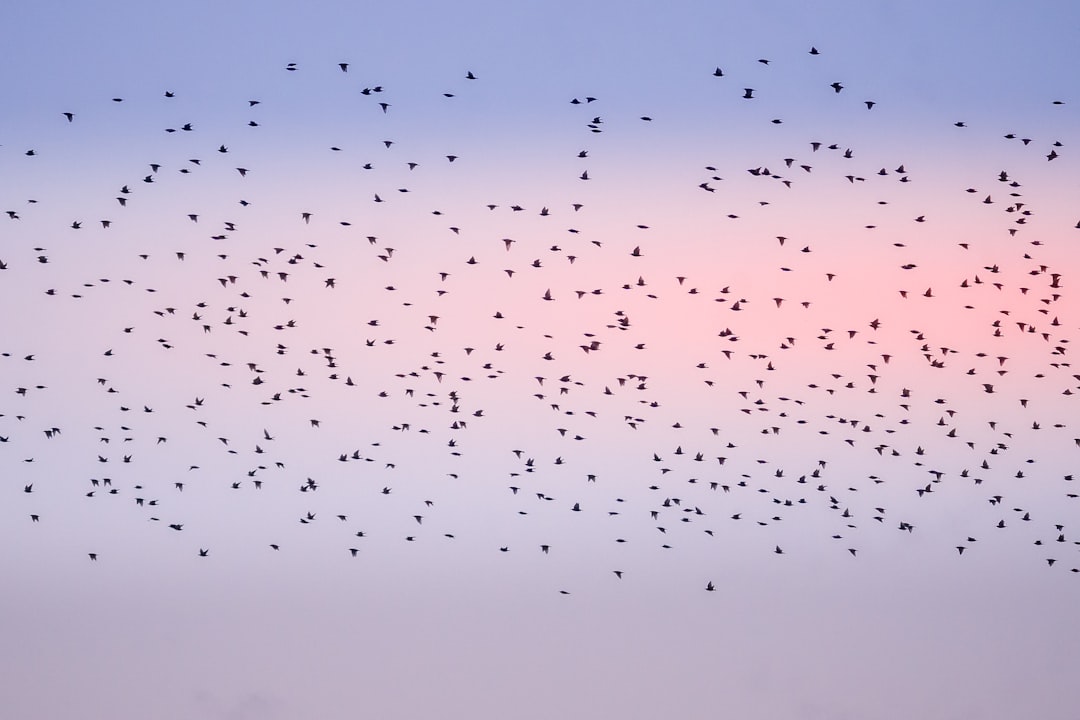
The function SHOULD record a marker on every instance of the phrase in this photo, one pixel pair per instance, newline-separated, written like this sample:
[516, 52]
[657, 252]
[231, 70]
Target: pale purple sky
[810, 354]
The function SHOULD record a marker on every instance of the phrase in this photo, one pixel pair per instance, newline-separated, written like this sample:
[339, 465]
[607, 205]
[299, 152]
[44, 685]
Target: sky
[524, 366]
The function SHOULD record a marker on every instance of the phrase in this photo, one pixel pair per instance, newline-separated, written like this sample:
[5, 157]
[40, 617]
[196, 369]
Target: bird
[817, 410]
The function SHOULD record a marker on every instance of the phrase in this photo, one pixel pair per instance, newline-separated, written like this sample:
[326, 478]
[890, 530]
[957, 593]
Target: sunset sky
[532, 360]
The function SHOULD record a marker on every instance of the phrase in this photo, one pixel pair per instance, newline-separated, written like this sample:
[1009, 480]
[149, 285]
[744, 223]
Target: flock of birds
[403, 371]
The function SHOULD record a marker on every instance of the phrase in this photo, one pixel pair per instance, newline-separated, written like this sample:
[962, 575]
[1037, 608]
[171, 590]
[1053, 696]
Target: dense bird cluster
[827, 350]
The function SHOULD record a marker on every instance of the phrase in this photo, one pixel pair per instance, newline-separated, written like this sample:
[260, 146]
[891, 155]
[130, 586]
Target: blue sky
[784, 360]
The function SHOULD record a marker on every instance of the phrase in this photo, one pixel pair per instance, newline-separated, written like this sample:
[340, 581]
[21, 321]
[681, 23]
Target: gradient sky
[888, 384]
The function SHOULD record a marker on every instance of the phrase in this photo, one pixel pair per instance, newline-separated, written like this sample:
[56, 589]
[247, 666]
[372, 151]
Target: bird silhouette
[755, 362]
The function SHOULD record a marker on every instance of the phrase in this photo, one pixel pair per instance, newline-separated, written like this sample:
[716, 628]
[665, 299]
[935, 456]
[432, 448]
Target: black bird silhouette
[441, 375]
